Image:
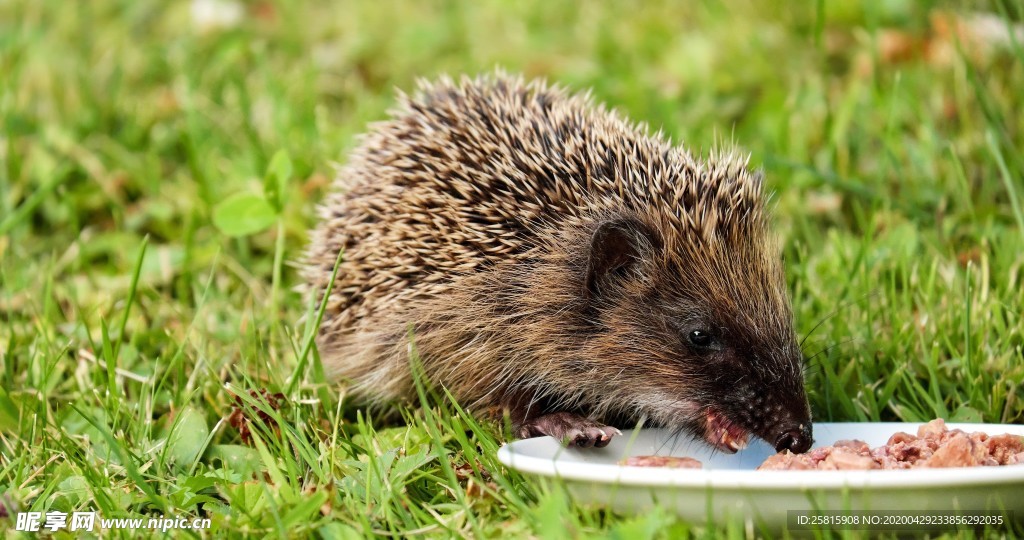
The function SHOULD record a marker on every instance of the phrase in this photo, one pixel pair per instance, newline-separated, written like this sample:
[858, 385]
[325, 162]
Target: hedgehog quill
[562, 264]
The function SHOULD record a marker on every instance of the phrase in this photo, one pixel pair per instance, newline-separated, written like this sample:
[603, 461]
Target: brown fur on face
[551, 257]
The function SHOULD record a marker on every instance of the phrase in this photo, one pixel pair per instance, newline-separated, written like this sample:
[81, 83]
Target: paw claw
[571, 429]
[583, 440]
[591, 436]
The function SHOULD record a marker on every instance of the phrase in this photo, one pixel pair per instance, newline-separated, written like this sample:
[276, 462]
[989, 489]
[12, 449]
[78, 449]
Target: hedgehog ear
[616, 247]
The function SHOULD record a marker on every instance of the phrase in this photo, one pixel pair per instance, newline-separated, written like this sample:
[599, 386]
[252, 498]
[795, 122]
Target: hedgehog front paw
[571, 429]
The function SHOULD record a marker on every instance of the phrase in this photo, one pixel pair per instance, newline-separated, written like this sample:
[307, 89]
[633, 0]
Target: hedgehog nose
[797, 441]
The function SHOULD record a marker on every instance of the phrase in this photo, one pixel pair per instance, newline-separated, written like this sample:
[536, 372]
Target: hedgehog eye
[700, 338]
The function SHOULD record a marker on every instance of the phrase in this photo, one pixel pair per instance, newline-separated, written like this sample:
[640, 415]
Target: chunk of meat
[900, 437]
[935, 428]
[1003, 448]
[844, 459]
[856, 446]
[788, 461]
[956, 452]
[662, 461]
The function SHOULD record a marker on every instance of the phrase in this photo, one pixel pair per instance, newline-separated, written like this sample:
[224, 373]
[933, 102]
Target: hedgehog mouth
[723, 433]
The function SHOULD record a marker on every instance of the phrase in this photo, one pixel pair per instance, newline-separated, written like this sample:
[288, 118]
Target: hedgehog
[542, 256]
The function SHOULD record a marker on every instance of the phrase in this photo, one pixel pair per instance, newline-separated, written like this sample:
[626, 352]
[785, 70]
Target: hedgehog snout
[781, 418]
[790, 428]
[797, 440]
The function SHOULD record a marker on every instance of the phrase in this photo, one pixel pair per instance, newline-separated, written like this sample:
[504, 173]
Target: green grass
[128, 321]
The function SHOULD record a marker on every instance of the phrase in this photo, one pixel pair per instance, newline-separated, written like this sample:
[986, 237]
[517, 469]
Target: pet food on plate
[662, 461]
[933, 446]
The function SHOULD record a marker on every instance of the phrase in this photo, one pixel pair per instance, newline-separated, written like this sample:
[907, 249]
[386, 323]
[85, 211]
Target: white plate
[729, 487]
